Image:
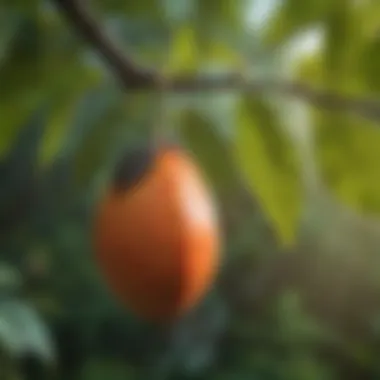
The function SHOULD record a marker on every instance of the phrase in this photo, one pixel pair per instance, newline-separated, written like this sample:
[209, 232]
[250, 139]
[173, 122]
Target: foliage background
[298, 295]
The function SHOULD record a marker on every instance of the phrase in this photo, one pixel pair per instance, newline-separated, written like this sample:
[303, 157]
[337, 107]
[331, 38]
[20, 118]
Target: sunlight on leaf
[221, 54]
[349, 159]
[290, 17]
[267, 160]
[309, 69]
[183, 54]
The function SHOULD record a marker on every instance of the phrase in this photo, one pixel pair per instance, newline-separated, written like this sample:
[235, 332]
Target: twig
[128, 72]
[368, 108]
[136, 77]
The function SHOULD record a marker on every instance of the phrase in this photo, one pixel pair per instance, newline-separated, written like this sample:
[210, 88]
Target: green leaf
[179, 11]
[25, 6]
[97, 126]
[295, 324]
[51, 142]
[9, 24]
[138, 33]
[95, 103]
[29, 80]
[310, 69]
[268, 161]
[306, 366]
[343, 39]
[190, 49]
[56, 193]
[211, 150]
[222, 12]
[25, 149]
[143, 9]
[370, 16]
[65, 96]
[291, 17]
[22, 331]
[12, 121]
[348, 157]
[19, 165]
[183, 54]
[215, 17]
[370, 63]
[22, 64]
[214, 27]
[18, 177]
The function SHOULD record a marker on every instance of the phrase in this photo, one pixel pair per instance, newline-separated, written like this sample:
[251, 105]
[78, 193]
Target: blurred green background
[298, 188]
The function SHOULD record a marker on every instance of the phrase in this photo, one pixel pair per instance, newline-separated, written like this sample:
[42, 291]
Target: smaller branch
[130, 74]
[135, 77]
[367, 108]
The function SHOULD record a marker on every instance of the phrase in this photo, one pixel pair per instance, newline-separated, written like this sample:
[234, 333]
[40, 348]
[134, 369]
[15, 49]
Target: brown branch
[128, 72]
[135, 77]
[368, 108]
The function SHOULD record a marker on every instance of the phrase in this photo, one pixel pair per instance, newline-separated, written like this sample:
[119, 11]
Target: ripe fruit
[156, 234]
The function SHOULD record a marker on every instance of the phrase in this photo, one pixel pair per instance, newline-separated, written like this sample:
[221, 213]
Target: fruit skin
[156, 234]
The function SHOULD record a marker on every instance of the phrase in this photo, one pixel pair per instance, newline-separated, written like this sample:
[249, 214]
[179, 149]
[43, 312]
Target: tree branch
[128, 72]
[135, 77]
